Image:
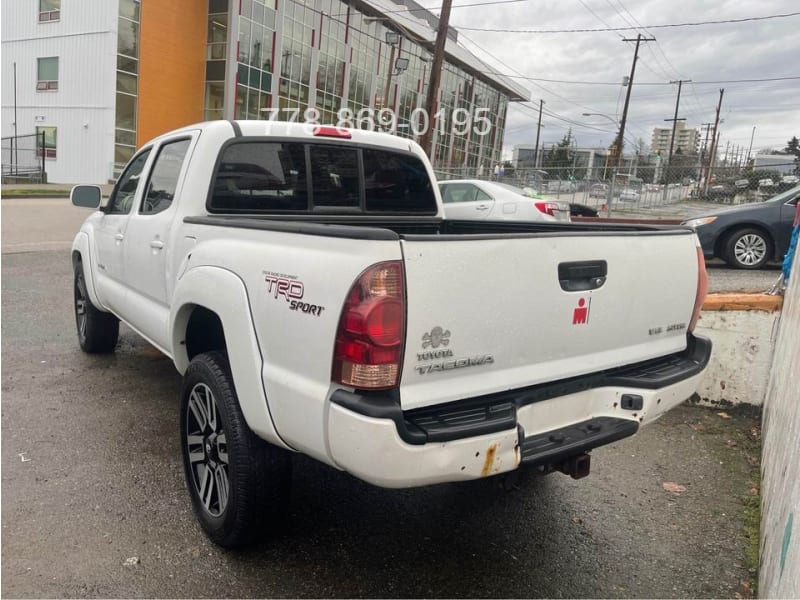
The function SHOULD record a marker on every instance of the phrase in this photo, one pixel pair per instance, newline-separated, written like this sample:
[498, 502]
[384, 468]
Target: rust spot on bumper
[488, 462]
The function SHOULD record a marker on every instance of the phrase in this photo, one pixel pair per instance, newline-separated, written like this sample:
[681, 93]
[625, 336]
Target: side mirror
[86, 196]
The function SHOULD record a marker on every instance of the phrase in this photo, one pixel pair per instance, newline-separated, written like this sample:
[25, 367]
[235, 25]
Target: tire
[239, 484]
[748, 248]
[98, 331]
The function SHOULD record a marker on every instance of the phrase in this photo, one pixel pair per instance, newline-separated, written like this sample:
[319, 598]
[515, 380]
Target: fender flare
[81, 251]
[223, 292]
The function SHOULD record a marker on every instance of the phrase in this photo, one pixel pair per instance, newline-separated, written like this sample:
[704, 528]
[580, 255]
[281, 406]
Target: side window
[122, 199]
[460, 192]
[260, 177]
[481, 195]
[334, 176]
[164, 177]
[397, 182]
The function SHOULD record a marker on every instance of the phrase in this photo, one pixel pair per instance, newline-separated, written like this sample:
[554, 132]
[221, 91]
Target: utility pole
[714, 142]
[675, 119]
[389, 79]
[750, 149]
[15, 154]
[436, 78]
[621, 136]
[538, 131]
[704, 150]
[727, 158]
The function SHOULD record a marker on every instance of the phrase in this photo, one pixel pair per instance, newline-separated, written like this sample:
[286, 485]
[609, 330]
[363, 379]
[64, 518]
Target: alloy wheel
[81, 302]
[750, 249]
[207, 448]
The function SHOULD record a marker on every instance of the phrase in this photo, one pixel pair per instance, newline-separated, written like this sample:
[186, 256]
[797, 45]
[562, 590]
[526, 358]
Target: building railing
[23, 158]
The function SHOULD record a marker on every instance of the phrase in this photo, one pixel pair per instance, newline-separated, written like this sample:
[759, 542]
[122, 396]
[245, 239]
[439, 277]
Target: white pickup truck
[304, 283]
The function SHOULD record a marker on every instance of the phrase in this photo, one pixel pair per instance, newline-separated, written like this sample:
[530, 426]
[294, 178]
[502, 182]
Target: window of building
[164, 177]
[47, 73]
[127, 82]
[49, 141]
[49, 11]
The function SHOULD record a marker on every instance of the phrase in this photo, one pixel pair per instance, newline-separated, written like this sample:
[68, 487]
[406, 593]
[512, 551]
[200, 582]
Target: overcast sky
[750, 50]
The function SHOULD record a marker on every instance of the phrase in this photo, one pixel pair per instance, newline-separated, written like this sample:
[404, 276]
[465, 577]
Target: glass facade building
[309, 59]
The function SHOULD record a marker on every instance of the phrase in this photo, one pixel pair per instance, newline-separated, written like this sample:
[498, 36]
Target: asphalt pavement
[94, 503]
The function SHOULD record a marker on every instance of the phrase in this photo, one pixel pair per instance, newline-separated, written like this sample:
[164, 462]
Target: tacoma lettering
[459, 363]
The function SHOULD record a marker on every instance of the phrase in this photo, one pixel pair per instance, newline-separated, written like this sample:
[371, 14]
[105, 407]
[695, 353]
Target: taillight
[547, 208]
[369, 340]
[702, 288]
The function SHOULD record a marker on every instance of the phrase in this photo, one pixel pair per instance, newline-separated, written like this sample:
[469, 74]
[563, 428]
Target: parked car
[720, 192]
[561, 185]
[750, 235]
[473, 199]
[598, 190]
[629, 196]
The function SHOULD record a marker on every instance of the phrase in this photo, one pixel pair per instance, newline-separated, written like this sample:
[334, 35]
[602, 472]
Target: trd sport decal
[291, 289]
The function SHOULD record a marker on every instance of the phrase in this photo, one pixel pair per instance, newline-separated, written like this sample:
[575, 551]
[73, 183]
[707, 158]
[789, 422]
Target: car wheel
[238, 483]
[747, 248]
[98, 331]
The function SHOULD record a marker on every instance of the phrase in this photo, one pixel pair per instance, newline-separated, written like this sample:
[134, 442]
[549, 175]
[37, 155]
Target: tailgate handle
[582, 275]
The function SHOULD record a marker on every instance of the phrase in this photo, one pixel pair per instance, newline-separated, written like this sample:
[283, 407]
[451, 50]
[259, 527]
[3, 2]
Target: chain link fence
[639, 187]
[23, 158]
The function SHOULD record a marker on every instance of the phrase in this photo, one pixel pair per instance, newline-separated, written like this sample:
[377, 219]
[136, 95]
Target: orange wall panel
[171, 65]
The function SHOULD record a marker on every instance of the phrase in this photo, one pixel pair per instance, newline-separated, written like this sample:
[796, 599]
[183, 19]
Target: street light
[614, 121]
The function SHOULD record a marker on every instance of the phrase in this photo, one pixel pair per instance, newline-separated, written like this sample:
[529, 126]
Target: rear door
[466, 201]
[496, 313]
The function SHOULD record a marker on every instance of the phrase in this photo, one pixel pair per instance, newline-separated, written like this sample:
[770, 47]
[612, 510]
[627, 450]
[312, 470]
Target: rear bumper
[372, 438]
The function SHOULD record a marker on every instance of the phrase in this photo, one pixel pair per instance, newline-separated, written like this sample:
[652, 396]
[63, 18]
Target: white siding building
[76, 109]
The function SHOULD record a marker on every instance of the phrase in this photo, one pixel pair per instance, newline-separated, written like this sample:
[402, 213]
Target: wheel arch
[82, 255]
[725, 234]
[211, 307]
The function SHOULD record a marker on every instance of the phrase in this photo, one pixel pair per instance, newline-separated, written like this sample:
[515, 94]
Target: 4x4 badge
[437, 337]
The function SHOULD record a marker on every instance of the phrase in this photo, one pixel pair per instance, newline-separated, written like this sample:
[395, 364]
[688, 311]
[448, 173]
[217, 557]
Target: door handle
[119, 237]
[157, 244]
[582, 275]
[482, 207]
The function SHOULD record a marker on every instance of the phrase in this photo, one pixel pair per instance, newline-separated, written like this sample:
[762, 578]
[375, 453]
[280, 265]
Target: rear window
[274, 177]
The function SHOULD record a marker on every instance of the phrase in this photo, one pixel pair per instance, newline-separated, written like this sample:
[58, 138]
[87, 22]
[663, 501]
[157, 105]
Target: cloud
[750, 50]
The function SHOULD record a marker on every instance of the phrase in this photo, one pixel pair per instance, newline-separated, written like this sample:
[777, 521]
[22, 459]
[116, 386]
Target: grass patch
[752, 529]
[35, 192]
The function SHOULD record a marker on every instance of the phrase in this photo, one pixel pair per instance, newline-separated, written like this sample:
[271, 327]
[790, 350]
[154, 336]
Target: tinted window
[122, 198]
[396, 182]
[260, 177]
[334, 176]
[164, 177]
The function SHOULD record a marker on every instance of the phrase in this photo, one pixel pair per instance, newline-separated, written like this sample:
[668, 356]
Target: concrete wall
[743, 328]
[780, 461]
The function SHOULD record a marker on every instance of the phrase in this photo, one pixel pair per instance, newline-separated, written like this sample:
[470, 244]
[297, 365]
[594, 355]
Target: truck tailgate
[490, 313]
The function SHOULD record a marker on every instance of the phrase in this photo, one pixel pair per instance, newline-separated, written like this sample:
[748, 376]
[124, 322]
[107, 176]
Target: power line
[605, 29]
[423, 9]
[661, 83]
